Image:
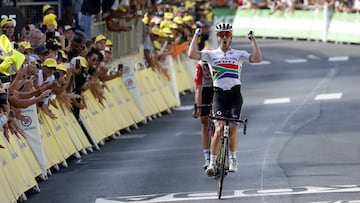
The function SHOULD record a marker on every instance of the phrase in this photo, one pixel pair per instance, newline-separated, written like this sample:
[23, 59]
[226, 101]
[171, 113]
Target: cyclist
[203, 97]
[225, 65]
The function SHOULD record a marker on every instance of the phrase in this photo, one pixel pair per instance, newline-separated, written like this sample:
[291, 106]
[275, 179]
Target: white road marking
[275, 191]
[185, 108]
[193, 196]
[311, 56]
[261, 63]
[339, 58]
[296, 60]
[328, 96]
[131, 136]
[277, 101]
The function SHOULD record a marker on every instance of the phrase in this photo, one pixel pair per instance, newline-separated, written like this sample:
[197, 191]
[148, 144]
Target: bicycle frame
[222, 163]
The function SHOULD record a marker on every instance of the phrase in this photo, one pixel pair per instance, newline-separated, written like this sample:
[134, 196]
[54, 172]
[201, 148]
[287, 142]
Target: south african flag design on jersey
[225, 71]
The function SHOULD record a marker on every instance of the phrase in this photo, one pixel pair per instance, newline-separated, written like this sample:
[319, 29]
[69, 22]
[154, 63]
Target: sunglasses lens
[223, 34]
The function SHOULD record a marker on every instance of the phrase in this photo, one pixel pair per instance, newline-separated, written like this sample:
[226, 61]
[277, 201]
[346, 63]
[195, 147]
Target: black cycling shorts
[206, 98]
[227, 102]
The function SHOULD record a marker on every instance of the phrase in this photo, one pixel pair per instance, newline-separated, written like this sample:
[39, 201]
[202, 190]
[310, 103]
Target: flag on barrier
[31, 130]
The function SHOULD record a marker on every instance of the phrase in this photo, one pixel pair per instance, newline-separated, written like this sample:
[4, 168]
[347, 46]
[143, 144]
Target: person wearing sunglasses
[8, 28]
[225, 66]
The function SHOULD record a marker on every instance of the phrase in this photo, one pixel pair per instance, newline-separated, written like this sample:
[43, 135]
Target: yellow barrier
[163, 86]
[183, 80]
[60, 134]
[18, 174]
[73, 129]
[51, 147]
[150, 108]
[125, 102]
[91, 119]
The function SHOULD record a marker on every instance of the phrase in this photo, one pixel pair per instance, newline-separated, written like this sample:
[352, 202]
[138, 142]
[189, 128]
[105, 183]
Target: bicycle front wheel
[221, 165]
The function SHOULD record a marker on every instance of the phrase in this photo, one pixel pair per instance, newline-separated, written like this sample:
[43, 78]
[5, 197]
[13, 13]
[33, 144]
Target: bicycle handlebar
[228, 120]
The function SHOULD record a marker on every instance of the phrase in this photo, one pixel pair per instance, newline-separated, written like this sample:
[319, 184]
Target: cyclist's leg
[205, 140]
[233, 137]
[235, 111]
[207, 96]
[218, 110]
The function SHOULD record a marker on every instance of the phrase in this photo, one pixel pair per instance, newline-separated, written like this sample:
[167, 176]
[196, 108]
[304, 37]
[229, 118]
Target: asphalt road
[302, 143]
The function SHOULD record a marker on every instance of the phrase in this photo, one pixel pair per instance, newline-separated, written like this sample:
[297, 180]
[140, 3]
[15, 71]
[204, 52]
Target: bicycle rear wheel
[221, 165]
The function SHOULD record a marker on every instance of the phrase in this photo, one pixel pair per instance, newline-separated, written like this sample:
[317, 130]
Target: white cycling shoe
[232, 165]
[210, 171]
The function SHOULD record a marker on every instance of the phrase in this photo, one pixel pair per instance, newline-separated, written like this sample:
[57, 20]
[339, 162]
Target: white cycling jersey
[225, 66]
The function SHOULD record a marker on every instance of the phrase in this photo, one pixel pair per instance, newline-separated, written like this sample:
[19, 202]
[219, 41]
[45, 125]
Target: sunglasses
[224, 34]
[94, 59]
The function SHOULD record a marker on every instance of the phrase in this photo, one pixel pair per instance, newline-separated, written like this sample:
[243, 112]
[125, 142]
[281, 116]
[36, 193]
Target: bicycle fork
[225, 144]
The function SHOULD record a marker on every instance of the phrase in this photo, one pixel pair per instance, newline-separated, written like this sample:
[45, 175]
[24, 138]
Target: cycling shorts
[227, 102]
[206, 98]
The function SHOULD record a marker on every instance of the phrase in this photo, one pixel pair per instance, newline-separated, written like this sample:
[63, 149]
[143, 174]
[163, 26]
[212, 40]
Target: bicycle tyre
[222, 163]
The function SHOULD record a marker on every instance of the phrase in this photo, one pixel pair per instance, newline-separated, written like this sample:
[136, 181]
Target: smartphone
[57, 75]
[50, 35]
[3, 98]
[77, 64]
[120, 67]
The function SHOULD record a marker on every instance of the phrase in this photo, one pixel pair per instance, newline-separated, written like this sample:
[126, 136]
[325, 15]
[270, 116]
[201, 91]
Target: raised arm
[256, 52]
[194, 52]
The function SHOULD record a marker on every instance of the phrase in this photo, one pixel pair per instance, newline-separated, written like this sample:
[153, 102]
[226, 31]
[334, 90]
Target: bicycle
[222, 163]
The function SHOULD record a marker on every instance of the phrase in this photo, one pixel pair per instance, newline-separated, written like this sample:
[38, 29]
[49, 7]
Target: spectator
[114, 16]
[90, 9]
[100, 42]
[46, 76]
[62, 57]
[36, 37]
[53, 49]
[69, 32]
[25, 47]
[77, 45]
[78, 75]
[8, 28]
[41, 53]
[48, 9]
[107, 55]
[50, 23]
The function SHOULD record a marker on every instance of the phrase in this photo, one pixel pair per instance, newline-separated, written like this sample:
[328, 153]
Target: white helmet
[221, 27]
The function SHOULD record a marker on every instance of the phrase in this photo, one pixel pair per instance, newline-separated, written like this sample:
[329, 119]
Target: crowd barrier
[140, 95]
[300, 24]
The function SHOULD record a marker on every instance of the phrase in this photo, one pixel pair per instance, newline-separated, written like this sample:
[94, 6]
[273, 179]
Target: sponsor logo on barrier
[129, 83]
[27, 123]
[126, 70]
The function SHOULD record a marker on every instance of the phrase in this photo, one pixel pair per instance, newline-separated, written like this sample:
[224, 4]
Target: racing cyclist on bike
[203, 98]
[226, 65]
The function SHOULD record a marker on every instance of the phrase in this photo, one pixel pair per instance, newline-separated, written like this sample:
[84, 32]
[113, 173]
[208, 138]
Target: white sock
[232, 155]
[213, 159]
[206, 154]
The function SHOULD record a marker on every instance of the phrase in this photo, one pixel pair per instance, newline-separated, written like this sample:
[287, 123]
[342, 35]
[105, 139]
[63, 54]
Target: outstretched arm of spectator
[103, 76]
[18, 102]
